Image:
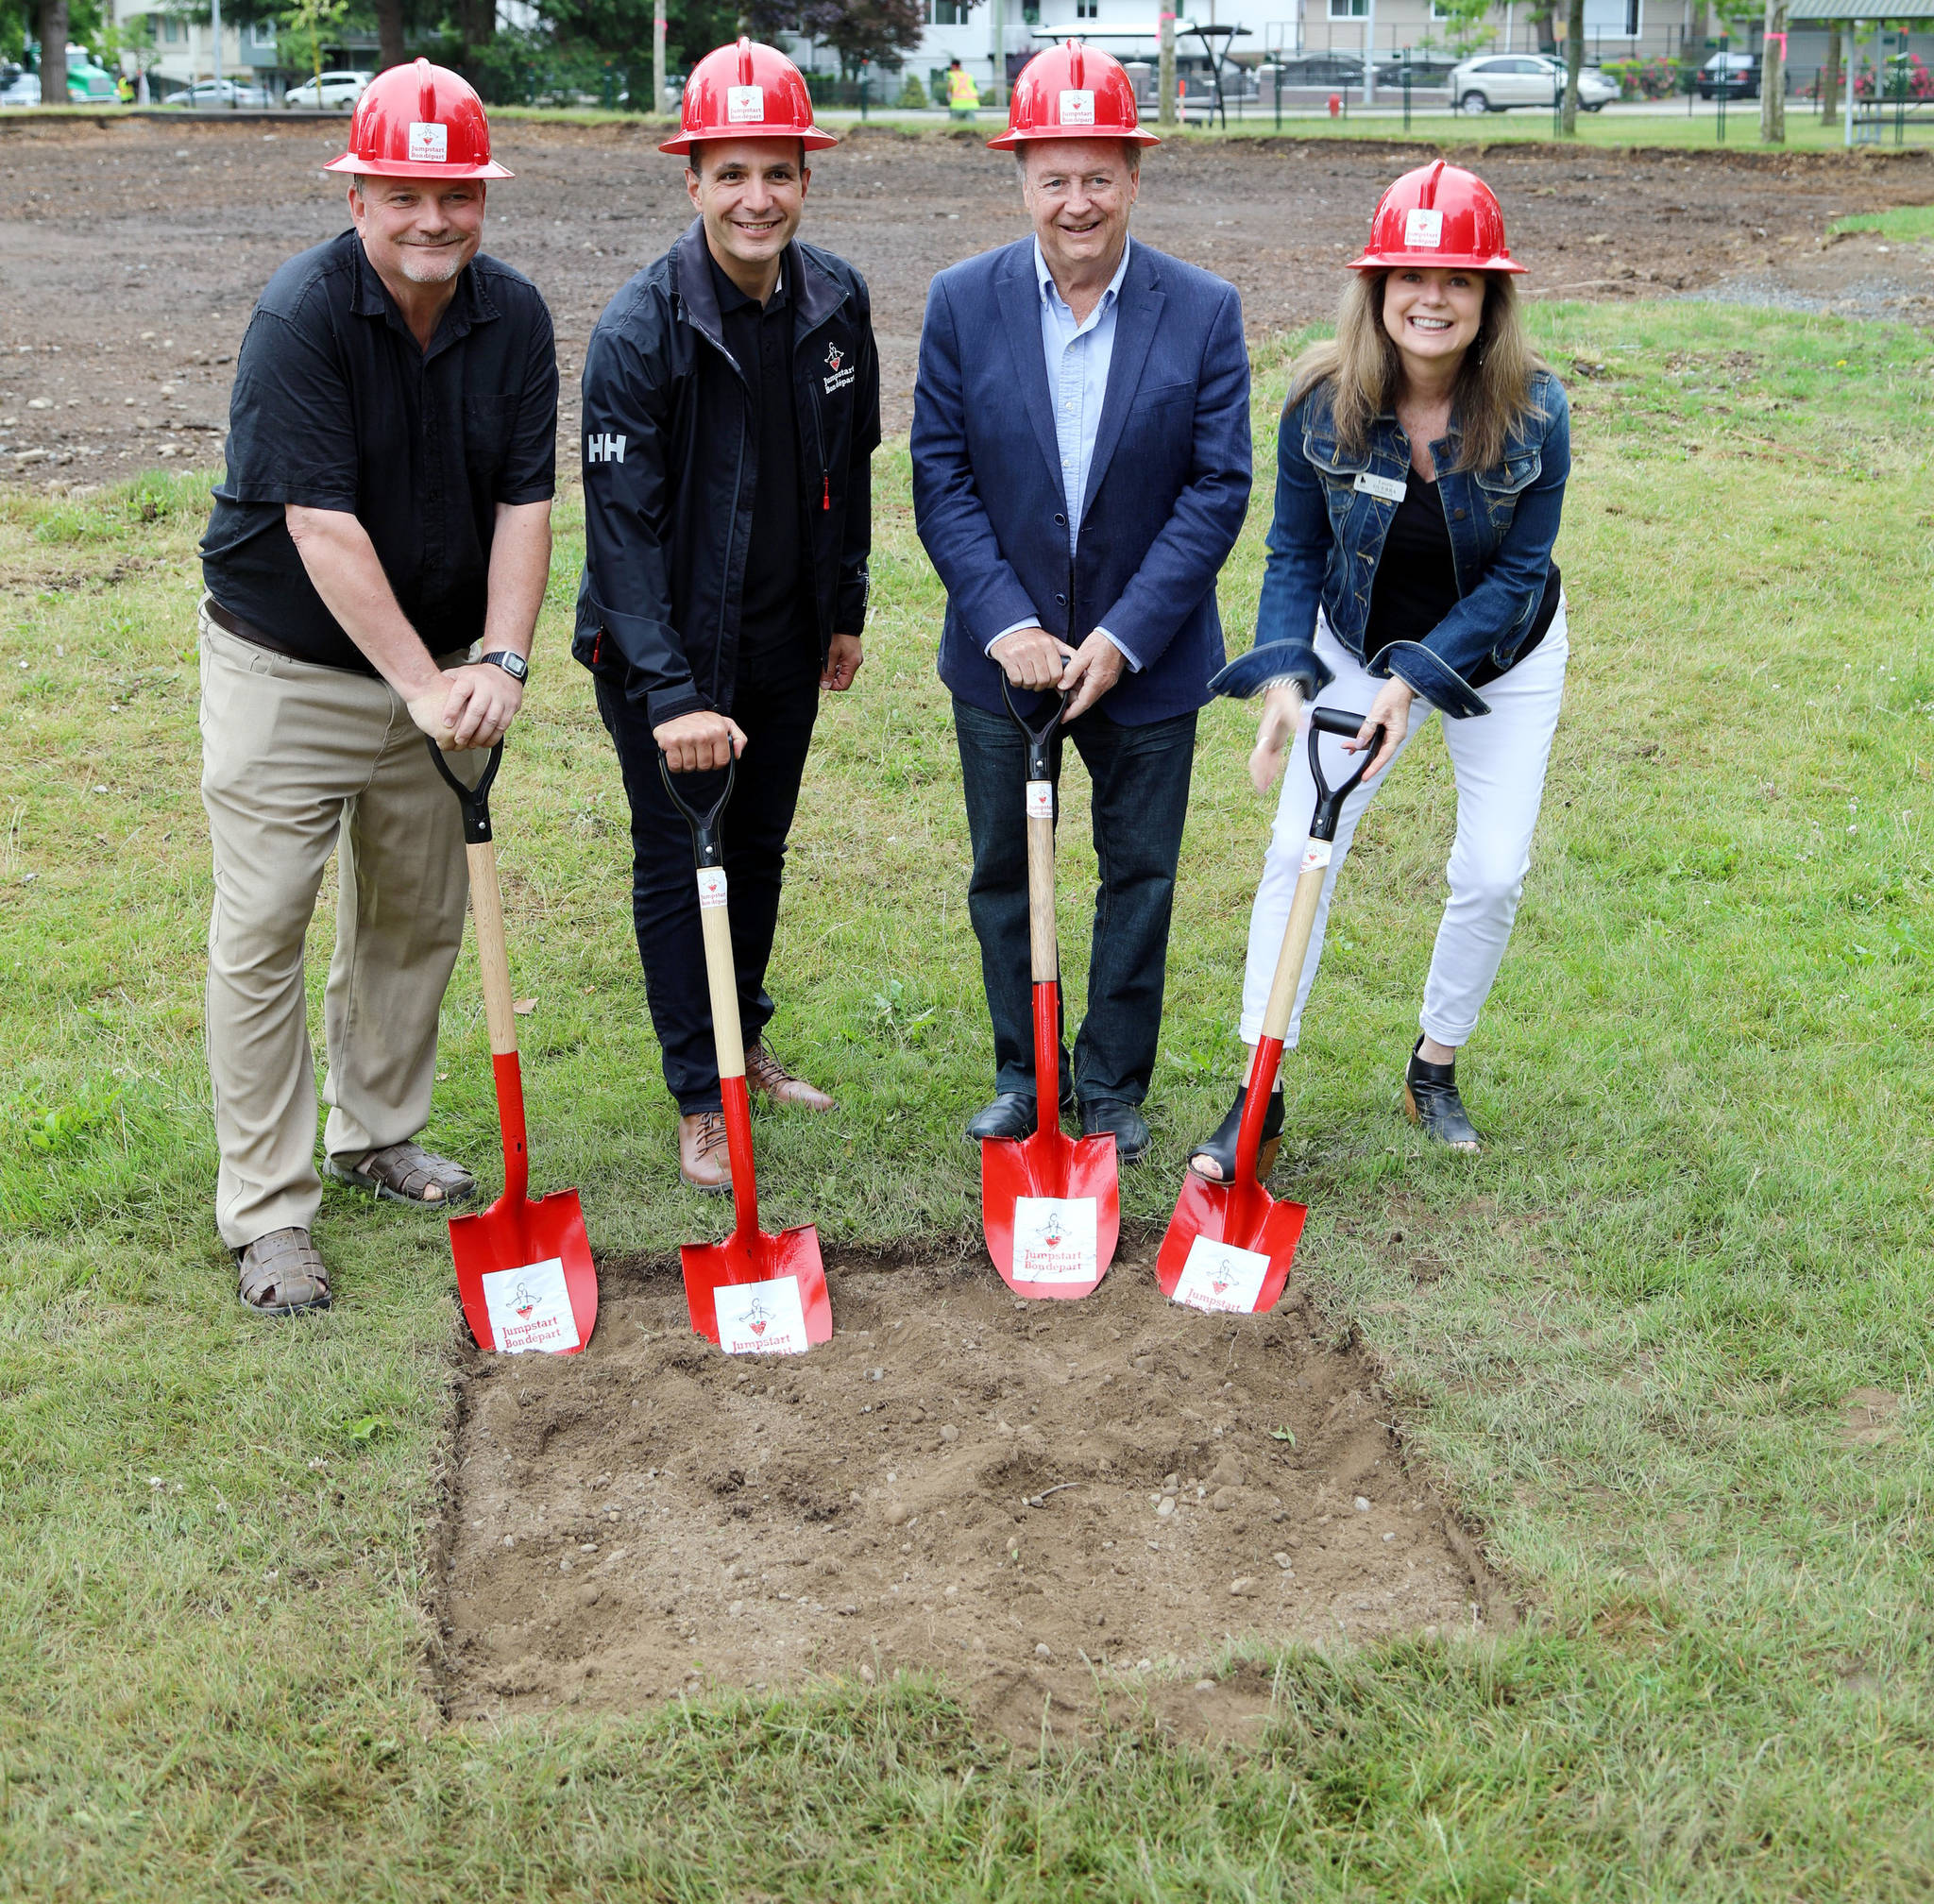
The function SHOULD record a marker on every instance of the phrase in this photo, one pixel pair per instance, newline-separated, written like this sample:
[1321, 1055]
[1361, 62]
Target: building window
[171, 30]
[948, 12]
[1349, 10]
[1438, 11]
[1087, 9]
[261, 34]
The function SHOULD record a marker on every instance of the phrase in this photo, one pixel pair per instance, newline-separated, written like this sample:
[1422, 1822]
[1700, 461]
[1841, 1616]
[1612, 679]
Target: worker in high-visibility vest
[963, 96]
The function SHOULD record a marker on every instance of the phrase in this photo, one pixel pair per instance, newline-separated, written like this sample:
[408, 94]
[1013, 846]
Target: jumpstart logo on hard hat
[428, 141]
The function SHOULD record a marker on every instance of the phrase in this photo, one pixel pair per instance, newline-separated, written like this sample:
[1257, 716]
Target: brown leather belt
[246, 631]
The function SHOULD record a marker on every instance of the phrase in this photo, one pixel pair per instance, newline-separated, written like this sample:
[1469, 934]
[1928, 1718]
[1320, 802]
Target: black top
[336, 407]
[773, 612]
[1417, 581]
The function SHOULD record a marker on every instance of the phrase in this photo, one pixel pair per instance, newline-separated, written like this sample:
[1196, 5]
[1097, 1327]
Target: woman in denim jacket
[1421, 472]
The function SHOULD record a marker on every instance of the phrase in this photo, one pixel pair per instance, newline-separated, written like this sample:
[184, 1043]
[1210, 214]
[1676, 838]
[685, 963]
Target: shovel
[524, 1268]
[1229, 1246]
[1050, 1205]
[751, 1293]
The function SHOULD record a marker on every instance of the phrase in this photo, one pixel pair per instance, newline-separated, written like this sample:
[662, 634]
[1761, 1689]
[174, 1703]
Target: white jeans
[1498, 761]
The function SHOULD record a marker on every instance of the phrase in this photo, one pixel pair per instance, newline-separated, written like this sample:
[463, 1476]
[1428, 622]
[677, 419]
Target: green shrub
[914, 95]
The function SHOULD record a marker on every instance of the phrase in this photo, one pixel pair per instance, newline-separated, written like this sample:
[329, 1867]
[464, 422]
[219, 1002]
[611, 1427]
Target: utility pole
[1164, 72]
[657, 56]
[215, 14]
[997, 37]
[1370, 53]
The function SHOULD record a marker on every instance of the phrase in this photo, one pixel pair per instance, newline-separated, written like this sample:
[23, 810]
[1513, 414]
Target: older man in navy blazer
[1080, 472]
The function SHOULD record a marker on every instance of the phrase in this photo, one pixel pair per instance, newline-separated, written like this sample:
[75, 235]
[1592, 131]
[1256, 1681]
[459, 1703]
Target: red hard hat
[1073, 92]
[419, 121]
[1439, 215]
[747, 91]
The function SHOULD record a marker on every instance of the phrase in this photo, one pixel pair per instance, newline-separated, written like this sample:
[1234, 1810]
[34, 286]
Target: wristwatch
[513, 664]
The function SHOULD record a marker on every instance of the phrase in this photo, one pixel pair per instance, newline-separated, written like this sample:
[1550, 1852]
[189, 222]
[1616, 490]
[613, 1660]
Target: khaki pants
[296, 758]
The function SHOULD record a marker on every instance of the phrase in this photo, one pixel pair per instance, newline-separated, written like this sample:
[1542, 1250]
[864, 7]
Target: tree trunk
[1696, 32]
[1574, 59]
[53, 52]
[389, 33]
[1829, 81]
[1773, 77]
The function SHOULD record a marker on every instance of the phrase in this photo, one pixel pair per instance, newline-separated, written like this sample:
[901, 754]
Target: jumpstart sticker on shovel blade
[530, 1308]
[1218, 1276]
[760, 1319]
[1054, 1239]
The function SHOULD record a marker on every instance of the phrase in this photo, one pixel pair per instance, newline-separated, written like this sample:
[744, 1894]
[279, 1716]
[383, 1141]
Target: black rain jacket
[668, 492]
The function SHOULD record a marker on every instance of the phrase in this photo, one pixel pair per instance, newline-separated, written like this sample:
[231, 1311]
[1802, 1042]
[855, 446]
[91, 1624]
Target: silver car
[1495, 81]
[328, 89]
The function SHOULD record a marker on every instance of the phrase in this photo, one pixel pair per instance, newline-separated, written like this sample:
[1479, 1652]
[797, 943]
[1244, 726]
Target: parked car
[1500, 80]
[1425, 70]
[328, 89]
[209, 96]
[1735, 74]
[23, 89]
[1322, 69]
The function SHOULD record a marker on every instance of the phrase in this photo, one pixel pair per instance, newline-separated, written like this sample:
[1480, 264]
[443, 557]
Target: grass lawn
[1668, 1341]
[1905, 224]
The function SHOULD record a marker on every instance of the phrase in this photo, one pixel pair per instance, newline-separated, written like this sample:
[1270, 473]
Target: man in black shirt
[374, 567]
[731, 409]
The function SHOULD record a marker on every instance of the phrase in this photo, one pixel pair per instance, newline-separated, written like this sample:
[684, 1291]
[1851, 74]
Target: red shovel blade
[525, 1274]
[754, 1294]
[1228, 1247]
[760, 1295]
[1051, 1208]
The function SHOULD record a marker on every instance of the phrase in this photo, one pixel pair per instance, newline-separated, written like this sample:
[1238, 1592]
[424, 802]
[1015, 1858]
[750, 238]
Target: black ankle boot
[1430, 1098]
[1220, 1148]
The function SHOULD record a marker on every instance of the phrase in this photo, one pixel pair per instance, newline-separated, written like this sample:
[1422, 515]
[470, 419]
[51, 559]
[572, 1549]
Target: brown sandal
[407, 1173]
[281, 1274]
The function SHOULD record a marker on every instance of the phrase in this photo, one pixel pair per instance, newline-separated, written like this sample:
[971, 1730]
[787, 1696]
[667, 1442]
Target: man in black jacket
[731, 409]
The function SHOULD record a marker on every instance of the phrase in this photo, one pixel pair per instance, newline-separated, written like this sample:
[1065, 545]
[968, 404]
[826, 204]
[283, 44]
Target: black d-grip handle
[1330, 799]
[704, 826]
[1038, 737]
[475, 800]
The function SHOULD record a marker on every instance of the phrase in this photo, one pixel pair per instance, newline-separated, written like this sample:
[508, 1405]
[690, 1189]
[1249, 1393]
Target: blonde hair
[1492, 395]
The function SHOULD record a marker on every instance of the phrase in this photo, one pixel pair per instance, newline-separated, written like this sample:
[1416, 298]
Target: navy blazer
[1167, 490]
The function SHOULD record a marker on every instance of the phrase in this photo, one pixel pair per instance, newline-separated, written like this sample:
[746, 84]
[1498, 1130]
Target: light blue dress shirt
[1078, 357]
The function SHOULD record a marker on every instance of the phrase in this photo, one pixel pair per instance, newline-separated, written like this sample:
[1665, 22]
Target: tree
[859, 31]
[1465, 27]
[1829, 81]
[1574, 59]
[1773, 77]
[53, 52]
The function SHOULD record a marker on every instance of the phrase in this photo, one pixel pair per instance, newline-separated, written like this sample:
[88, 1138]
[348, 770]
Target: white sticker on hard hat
[711, 886]
[1423, 230]
[746, 105]
[428, 141]
[1078, 106]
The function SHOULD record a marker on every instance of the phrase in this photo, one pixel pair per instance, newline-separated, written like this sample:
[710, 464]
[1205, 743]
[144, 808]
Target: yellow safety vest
[962, 90]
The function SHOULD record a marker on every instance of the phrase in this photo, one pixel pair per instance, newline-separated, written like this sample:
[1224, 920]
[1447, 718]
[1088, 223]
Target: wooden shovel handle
[1296, 947]
[486, 908]
[729, 1036]
[1041, 932]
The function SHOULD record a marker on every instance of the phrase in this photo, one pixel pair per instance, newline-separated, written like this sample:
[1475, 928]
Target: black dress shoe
[1012, 1114]
[1121, 1118]
[1430, 1098]
[1221, 1147]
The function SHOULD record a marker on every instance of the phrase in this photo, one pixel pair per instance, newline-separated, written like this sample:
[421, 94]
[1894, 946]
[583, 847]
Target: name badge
[1384, 488]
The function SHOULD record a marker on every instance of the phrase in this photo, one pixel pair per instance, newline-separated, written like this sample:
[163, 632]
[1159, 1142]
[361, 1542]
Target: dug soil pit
[1056, 1506]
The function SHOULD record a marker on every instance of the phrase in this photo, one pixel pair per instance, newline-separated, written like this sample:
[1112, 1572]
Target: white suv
[1497, 80]
[328, 89]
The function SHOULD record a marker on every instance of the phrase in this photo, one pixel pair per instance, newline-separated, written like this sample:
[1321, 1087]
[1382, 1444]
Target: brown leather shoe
[704, 1161]
[765, 1074]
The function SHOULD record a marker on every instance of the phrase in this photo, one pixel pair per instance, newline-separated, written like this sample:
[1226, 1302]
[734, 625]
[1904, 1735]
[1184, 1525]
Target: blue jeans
[1141, 797]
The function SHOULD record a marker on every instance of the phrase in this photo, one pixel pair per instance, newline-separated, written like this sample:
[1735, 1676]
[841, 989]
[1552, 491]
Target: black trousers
[1140, 799]
[776, 700]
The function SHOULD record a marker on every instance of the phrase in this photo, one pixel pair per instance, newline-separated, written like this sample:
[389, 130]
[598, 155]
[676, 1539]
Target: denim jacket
[1328, 536]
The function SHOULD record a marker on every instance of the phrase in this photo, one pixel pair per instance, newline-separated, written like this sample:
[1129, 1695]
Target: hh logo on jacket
[603, 448]
[842, 371]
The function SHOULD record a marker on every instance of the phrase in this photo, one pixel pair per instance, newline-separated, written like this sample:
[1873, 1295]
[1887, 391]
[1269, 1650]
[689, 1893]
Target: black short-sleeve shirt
[335, 406]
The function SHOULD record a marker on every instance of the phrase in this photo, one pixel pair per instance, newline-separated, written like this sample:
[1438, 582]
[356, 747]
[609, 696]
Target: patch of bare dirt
[135, 248]
[1053, 1505]
[1870, 1418]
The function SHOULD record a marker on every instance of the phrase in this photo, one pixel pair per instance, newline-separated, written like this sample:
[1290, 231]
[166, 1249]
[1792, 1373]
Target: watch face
[513, 665]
